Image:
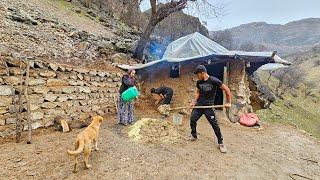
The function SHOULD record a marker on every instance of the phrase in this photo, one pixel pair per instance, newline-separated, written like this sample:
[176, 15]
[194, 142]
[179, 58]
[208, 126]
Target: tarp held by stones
[197, 47]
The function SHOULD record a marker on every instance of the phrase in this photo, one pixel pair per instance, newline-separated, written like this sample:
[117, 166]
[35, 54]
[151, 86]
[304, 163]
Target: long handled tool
[197, 107]
[165, 110]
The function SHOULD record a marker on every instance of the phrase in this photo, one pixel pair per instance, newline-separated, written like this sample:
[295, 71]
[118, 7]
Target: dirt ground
[275, 152]
[272, 153]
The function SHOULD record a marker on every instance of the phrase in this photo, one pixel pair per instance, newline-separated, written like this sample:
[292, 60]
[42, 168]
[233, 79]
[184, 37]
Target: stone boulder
[101, 73]
[56, 89]
[33, 107]
[3, 111]
[50, 97]
[34, 125]
[11, 120]
[35, 82]
[36, 99]
[68, 89]
[123, 47]
[93, 73]
[55, 112]
[14, 62]
[36, 115]
[62, 98]
[48, 74]
[11, 80]
[40, 89]
[81, 70]
[5, 91]
[57, 82]
[15, 71]
[2, 121]
[119, 57]
[48, 105]
[84, 89]
[53, 66]
[21, 17]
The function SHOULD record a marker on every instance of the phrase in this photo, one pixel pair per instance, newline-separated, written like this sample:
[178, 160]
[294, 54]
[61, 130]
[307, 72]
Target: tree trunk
[157, 15]
[138, 53]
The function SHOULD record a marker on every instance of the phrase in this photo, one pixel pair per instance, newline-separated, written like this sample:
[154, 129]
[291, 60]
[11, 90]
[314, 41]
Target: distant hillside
[299, 106]
[294, 36]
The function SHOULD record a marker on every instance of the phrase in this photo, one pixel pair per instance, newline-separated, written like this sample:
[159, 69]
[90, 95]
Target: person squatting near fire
[126, 109]
[205, 96]
[165, 94]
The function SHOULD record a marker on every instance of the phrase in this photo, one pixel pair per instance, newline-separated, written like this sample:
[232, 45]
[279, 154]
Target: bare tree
[309, 86]
[159, 13]
[289, 78]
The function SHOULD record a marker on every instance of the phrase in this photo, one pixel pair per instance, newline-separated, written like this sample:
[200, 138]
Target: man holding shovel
[205, 95]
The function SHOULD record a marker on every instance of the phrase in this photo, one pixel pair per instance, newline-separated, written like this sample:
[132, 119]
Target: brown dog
[84, 142]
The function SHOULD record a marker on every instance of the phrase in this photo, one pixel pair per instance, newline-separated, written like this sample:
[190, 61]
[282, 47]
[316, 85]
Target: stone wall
[56, 90]
[239, 86]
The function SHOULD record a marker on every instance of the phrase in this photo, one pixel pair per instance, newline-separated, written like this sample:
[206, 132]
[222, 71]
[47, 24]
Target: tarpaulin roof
[196, 46]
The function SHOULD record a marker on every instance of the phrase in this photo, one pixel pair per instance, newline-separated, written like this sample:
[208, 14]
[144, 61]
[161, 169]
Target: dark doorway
[174, 70]
[217, 70]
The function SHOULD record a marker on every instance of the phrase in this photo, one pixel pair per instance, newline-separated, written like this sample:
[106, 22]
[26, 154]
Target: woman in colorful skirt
[126, 109]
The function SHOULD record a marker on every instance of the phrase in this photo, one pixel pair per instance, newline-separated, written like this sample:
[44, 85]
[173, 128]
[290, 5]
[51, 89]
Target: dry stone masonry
[56, 90]
[239, 86]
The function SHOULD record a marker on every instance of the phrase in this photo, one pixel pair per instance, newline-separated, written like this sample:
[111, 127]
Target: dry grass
[299, 110]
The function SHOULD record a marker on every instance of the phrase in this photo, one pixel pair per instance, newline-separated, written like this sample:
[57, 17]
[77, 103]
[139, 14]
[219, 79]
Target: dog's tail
[79, 150]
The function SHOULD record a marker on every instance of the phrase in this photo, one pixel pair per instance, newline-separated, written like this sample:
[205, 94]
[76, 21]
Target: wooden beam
[28, 104]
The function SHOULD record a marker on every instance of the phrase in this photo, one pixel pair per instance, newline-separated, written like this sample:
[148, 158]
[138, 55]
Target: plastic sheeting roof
[198, 47]
[192, 46]
[272, 67]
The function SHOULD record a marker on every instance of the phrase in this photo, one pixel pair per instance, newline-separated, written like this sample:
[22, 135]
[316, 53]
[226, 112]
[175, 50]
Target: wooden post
[224, 82]
[18, 122]
[28, 104]
[13, 93]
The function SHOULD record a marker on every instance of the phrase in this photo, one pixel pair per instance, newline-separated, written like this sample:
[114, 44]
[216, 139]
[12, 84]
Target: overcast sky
[271, 11]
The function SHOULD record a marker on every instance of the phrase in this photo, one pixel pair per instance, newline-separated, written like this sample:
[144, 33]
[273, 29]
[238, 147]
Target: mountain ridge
[300, 35]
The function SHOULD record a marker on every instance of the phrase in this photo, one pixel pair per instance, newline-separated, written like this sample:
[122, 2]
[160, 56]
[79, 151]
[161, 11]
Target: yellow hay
[154, 131]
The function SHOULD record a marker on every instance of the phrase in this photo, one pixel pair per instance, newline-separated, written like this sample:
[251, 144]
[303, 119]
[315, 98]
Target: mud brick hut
[233, 67]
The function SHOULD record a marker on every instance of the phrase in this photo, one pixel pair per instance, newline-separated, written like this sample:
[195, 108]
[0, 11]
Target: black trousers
[210, 115]
[168, 97]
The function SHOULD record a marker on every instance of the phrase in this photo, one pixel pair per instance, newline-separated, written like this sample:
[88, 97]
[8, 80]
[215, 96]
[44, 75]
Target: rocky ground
[56, 30]
[276, 152]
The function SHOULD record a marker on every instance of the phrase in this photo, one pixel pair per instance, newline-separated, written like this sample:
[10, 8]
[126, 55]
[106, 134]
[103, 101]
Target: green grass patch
[299, 111]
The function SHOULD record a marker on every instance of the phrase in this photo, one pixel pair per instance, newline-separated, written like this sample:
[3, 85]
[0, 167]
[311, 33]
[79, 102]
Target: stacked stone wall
[56, 90]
